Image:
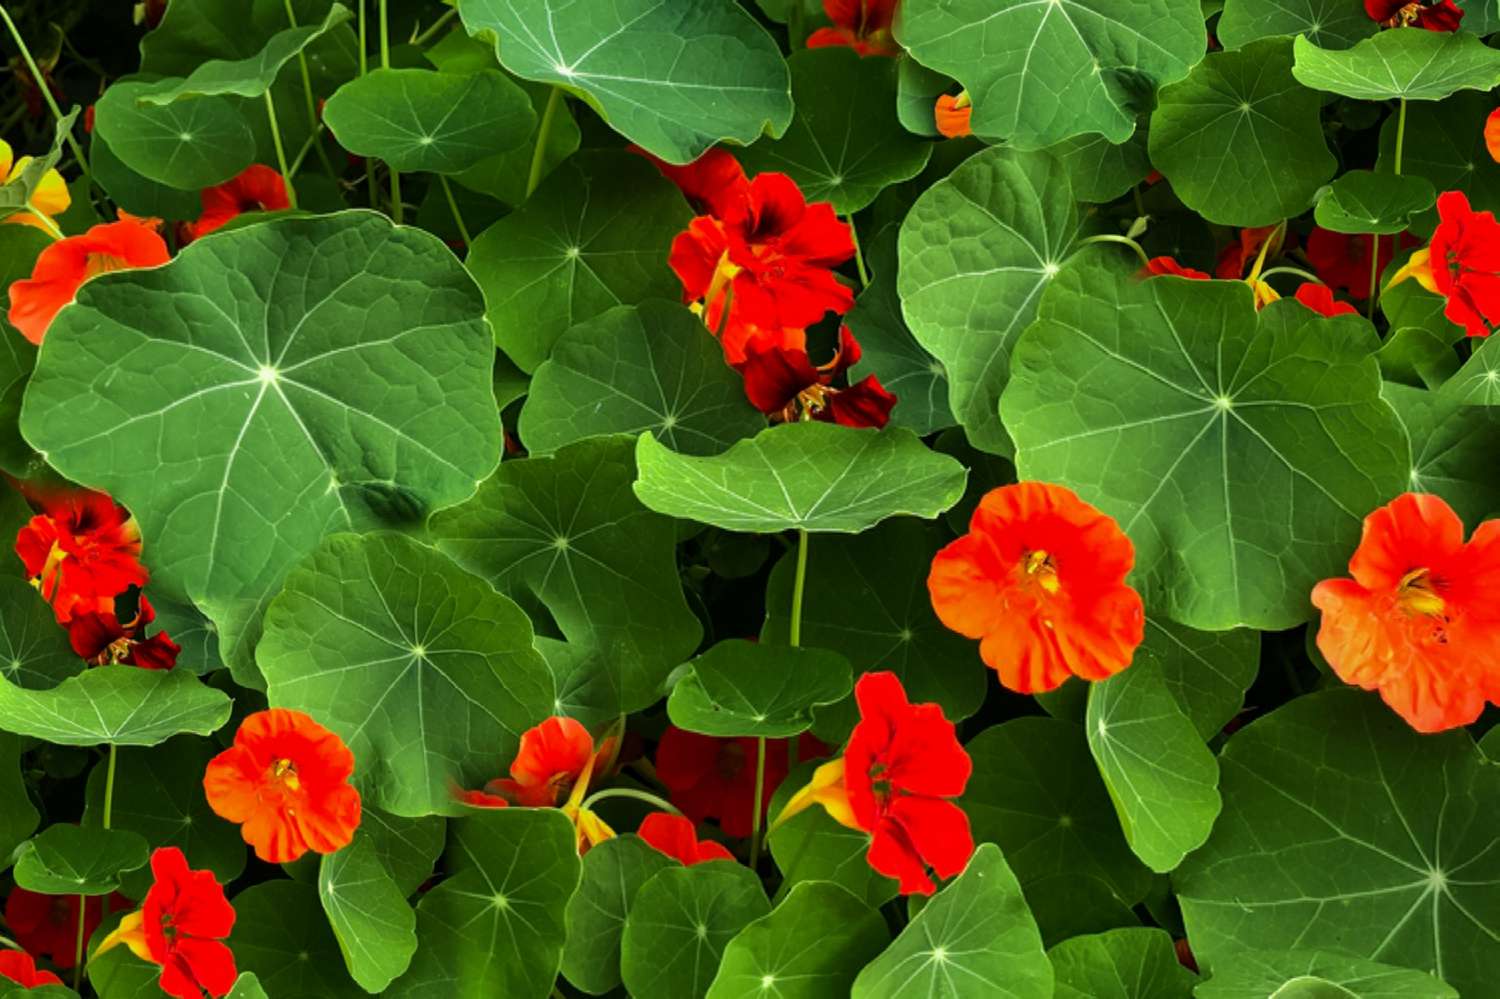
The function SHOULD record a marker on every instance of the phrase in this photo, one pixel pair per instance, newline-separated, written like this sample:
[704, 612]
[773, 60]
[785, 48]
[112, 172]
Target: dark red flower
[676, 836]
[1168, 265]
[1319, 298]
[101, 640]
[1442, 15]
[1343, 260]
[18, 967]
[781, 381]
[1237, 256]
[715, 778]
[862, 25]
[713, 184]
[47, 925]
[81, 552]
[257, 189]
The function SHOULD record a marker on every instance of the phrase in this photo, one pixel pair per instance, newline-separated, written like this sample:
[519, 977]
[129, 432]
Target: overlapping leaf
[1252, 974]
[613, 872]
[188, 144]
[121, 705]
[367, 910]
[78, 860]
[1363, 201]
[1138, 963]
[740, 688]
[1332, 24]
[1409, 65]
[680, 924]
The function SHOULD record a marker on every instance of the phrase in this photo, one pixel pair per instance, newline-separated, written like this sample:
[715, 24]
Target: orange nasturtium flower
[1040, 580]
[1418, 620]
[285, 781]
[20, 968]
[952, 115]
[62, 268]
[48, 199]
[862, 25]
[81, 552]
[258, 188]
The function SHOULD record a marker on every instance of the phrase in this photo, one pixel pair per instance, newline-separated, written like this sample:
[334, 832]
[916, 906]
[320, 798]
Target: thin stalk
[1109, 237]
[48, 224]
[1374, 277]
[312, 104]
[83, 912]
[859, 257]
[794, 638]
[307, 146]
[83, 902]
[458, 219]
[286, 174]
[1400, 138]
[799, 586]
[364, 67]
[109, 786]
[1396, 240]
[539, 154]
[385, 63]
[630, 792]
[41, 83]
[755, 809]
[435, 27]
[1297, 271]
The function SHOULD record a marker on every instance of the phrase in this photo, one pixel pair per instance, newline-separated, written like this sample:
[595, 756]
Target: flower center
[1418, 593]
[284, 772]
[1041, 570]
[880, 785]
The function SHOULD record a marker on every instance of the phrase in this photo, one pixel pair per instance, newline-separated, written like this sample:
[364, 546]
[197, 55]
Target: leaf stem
[631, 792]
[1400, 138]
[1110, 237]
[306, 148]
[83, 914]
[435, 27]
[291, 194]
[1299, 272]
[1374, 290]
[312, 105]
[1374, 237]
[543, 131]
[859, 257]
[109, 785]
[385, 63]
[799, 586]
[364, 67]
[756, 817]
[36, 75]
[458, 219]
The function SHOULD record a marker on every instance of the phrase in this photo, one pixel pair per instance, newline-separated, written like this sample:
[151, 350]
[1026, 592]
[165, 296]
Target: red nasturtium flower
[1040, 580]
[711, 183]
[862, 25]
[181, 926]
[709, 777]
[1418, 620]
[1432, 15]
[1319, 298]
[895, 780]
[1168, 265]
[257, 189]
[47, 925]
[17, 966]
[285, 781]
[1462, 263]
[953, 115]
[1235, 258]
[782, 382]
[100, 639]
[677, 837]
[1342, 260]
[81, 551]
[62, 268]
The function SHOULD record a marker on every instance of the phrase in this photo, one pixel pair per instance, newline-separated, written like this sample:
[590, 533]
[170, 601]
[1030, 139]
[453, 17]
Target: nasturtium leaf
[1131, 963]
[976, 251]
[1100, 170]
[613, 871]
[249, 77]
[674, 78]
[188, 627]
[418, 119]
[158, 793]
[270, 385]
[975, 938]
[1477, 382]
[369, 915]
[809, 476]
[1036, 793]
[653, 366]
[1207, 672]
[190, 144]
[407, 848]
[811, 945]
[680, 923]
[34, 651]
[917, 91]
[1362, 201]
[495, 926]
[1240, 139]
[741, 688]
[1410, 65]
[65, 859]
[137, 194]
[1417, 357]
[595, 235]
[1255, 974]
[281, 936]
[1161, 777]
[1452, 448]
[1043, 72]
[422, 668]
[1444, 142]
[121, 705]
[1240, 451]
[1333, 24]
[247, 986]
[40, 992]
[1343, 829]
[566, 532]
[845, 144]
[18, 816]
[506, 177]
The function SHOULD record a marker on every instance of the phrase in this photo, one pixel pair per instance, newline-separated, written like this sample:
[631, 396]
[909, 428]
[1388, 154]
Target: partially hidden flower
[1492, 135]
[81, 551]
[19, 967]
[1342, 260]
[1319, 298]
[1039, 579]
[1253, 248]
[953, 115]
[896, 780]
[782, 382]
[285, 782]
[713, 184]
[1168, 265]
[181, 926]
[713, 778]
[1418, 620]
[862, 25]
[47, 925]
[50, 196]
[677, 837]
[1431, 15]
[62, 268]
[258, 188]
[1461, 263]
[100, 639]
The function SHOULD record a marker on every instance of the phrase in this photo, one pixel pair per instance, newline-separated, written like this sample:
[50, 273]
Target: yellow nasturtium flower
[50, 197]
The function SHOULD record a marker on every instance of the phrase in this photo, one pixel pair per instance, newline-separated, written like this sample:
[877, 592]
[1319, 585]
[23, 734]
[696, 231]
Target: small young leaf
[1409, 65]
[375, 927]
[122, 705]
[1131, 963]
[189, 144]
[740, 688]
[79, 860]
[1364, 201]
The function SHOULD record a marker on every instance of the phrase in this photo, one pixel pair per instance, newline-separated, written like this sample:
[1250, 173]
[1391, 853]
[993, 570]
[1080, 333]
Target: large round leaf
[1345, 830]
[1240, 139]
[613, 871]
[281, 936]
[680, 923]
[1043, 72]
[270, 385]
[425, 671]
[1333, 24]
[1300, 974]
[1131, 963]
[34, 651]
[66, 859]
[1240, 451]
[121, 705]
[190, 144]
[368, 912]
[976, 251]
[1410, 65]
[740, 688]
[672, 76]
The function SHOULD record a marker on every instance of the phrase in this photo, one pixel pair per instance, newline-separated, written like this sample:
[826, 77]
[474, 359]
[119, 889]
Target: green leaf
[1477, 383]
[1409, 65]
[1451, 449]
[78, 860]
[681, 922]
[1240, 139]
[740, 688]
[1255, 974]
[845, 144]
[632, 368]
[1240, 451]
[196, 634]
[255, 395]
[812, 847]
[1363, 201]
[281, 936]
[505, 177]
[1161, 777]
[1445, 143]
[1041, 73]
[121, 705]
[375, 928]
[407, 847]
[672, 78]
[968, 285]
[811, 945]
[250, 77]
[495, 927]
[417, 119]
[1207, 672]
[189, 145]
[18, 816]
[613, 871]
[135, 193]
[1132, 963]
[425, 671]
[1333, 806]
[247, 986]
[1333, 24]
[566, 532]
[1101, 171]
[809, 476]
[565, 256]
[34, 650]
[917, 91]
[976, 938]
[1418, 357]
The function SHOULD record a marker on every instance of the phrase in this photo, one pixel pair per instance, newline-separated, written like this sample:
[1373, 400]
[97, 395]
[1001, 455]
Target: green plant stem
[1400, 138]
[859, 257]
[543, 131]
[364, 67]
[1374, 277]
[109, 786]
[83, 912]
[1297, 271]
[755, 809]
[1396, 240]
[799, 586]
[435, 27]
[1109, 237]
[794, 639]
[630, 792]
[312, 104]
[48, 224]
[83, 902]
[286, 173]
[458, 219]
[306, 148]
[385, 63]
[41, 83]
